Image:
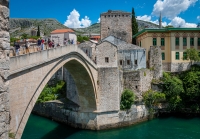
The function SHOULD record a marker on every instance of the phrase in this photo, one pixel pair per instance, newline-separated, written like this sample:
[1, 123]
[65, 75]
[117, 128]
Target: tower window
[163, 56]
[128, 62]
[120, 62]
[191, 41]
[154, 41]
[106, 59]
[136, 62]
[162, 41]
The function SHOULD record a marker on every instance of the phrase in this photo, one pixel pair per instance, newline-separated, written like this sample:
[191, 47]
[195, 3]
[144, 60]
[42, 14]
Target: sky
[83, 13]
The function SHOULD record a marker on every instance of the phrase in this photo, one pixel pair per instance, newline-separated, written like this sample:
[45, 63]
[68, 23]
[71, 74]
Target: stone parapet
[4, 69]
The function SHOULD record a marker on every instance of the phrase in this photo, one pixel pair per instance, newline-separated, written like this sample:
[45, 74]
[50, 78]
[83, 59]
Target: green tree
[192, 54]
[24, 36]
[173, 89]
[134, 26]
[38, 31]
[127, 99]
[151, 98]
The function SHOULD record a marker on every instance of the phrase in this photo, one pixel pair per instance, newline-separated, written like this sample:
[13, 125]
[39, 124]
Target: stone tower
[4, 68]
[155, 61]
[118, 24]
[160, 21]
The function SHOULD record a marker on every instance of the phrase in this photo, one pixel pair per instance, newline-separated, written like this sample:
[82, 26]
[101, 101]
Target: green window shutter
[154, 41]
[162, 41]
[177, 41]
[163, 56]
[184, 41]
[191, 41]
[177, 55]
[198, 41]
[184, 55]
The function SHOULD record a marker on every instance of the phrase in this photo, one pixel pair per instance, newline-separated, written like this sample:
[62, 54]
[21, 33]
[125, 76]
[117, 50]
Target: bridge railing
[32, 48]
[26, 61]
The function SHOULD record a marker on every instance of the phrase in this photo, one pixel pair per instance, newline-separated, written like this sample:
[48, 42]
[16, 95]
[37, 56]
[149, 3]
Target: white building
[59, 35]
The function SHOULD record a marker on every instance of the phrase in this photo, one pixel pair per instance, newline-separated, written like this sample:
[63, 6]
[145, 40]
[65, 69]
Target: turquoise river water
[160, 128]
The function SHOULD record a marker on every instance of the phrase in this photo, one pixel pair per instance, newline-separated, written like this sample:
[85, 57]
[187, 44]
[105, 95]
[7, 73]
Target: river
[160, 128]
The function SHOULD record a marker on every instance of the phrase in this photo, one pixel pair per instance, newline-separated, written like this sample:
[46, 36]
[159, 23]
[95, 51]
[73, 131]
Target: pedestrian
[17, 47]
[69, 41]
[39, 43]
[49, 43]
[27, 44]
[53, 43]
[42, 44]
[65, 41]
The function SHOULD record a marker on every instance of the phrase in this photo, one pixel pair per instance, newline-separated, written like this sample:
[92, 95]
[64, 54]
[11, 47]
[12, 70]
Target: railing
[31, 49]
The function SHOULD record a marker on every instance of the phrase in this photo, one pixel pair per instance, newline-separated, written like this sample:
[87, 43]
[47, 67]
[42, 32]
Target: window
[198, 41]
[177, 55]
[140, 43]
[106, 59]
[136, 62]
[184, 41]
[191, 41]
[184, 55]
[128, 62]
[120, 62]
[154, 42]
[105, 16]
[177, 41]
[163, 56]
[162, 41]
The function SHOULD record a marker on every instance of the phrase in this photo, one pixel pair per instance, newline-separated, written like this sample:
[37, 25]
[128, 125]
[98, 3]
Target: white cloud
[198, 17]
[179, 22]
[99, 20]
[171, 8]
[144, 18]
[74, 22]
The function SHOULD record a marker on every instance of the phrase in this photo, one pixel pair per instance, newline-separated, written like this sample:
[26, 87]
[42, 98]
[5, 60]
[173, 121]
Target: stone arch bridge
[30, 73]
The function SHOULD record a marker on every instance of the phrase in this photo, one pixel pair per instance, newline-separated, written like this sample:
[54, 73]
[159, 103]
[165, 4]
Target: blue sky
[82, 13]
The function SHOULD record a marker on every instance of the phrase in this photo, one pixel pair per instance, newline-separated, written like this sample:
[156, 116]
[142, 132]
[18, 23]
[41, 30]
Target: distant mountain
[19, 26]
[95, 28]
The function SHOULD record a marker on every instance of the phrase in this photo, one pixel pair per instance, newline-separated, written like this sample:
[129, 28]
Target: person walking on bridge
[17, 47]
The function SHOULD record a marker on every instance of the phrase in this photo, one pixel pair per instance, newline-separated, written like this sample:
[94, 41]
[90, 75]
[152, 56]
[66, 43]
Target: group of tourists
[68, 41]
[42, 44]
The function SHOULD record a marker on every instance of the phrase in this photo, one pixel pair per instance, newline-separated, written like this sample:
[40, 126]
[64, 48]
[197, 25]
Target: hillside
[95, 28]
[19, 26]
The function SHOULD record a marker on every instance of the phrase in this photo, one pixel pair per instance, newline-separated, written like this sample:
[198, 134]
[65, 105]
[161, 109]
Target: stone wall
[4, 69]
[108, 89]
[91, 120]
[155, 61]
[177, 67]
[138, 81]
[118, 24]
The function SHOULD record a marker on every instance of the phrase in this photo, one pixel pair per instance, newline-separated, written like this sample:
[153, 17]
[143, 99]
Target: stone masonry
[155, 61]
[4, 69]
[118, 24]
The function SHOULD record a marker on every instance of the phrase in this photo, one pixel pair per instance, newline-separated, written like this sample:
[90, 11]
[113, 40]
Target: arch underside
[83, 76]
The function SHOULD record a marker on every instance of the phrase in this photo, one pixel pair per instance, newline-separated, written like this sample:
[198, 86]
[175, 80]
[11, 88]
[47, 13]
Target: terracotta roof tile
[61, 31]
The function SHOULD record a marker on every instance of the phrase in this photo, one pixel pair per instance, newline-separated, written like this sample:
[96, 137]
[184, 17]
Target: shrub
[127, 99]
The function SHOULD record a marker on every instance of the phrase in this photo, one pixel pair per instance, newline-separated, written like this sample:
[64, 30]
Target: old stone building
[89, 48]
[118, 24]
[118, 53]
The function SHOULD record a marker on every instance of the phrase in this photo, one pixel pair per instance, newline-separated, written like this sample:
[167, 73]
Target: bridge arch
[84, 76]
